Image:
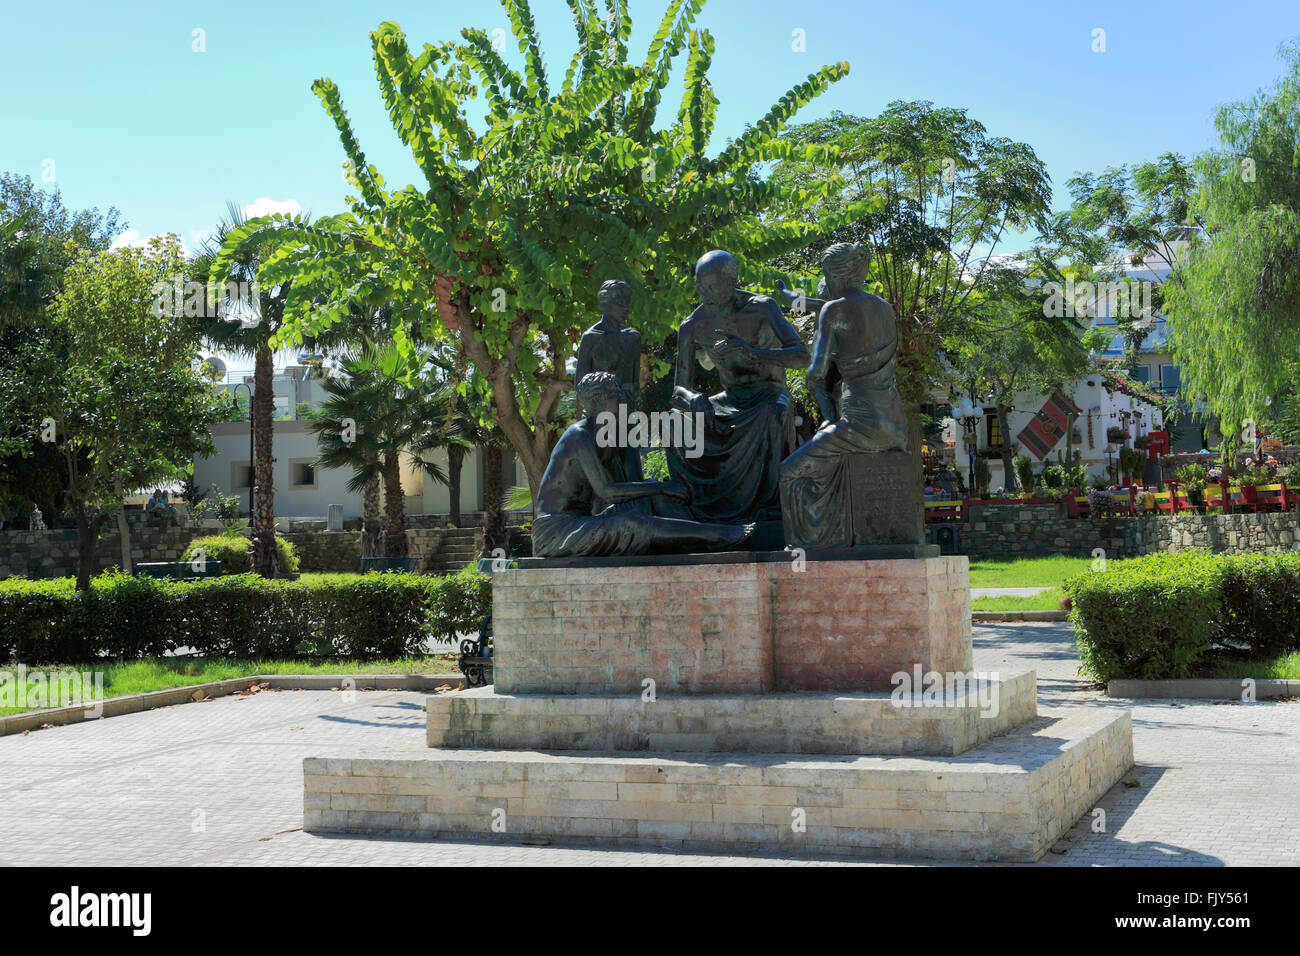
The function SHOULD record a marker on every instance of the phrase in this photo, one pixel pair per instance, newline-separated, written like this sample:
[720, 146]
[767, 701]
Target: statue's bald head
[716, 276]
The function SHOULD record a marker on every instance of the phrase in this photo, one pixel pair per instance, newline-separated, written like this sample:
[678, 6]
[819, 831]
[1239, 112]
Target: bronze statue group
[594, 499]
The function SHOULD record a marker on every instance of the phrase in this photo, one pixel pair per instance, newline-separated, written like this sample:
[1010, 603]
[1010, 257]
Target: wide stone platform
[753, 624]
[878, 722]
[1008, 799]
[745, 704]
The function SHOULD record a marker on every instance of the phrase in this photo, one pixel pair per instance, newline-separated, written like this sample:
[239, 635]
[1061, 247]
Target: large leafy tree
[114, 386]
[1233, 304]
[1012, 348]
[940, 195]
[39, 239]
[564, 183]
[1125, 218]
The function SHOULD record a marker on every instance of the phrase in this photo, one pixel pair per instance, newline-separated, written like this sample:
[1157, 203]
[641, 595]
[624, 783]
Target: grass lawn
[1237, 665]
[160, 673]
[1044, 601]
[1025, 572]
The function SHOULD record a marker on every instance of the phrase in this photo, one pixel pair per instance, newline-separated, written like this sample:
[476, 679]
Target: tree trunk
[1009, 484]
[123, 530]
[87, 534]
[455, 462]
[266, 561]
[370, 521]
[494, 514]
[394, 507]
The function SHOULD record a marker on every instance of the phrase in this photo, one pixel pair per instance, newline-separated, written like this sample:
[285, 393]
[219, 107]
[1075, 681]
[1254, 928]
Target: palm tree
[394, 410]
[243, 321]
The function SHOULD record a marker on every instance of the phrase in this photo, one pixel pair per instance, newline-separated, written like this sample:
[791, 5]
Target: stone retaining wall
[53, 554]
[1036, 530]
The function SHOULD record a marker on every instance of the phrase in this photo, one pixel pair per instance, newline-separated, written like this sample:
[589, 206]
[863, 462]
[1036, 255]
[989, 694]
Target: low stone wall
[1037, 530]
[53, 554]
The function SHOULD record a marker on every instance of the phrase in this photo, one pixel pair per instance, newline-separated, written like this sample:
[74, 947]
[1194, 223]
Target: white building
[303, 490]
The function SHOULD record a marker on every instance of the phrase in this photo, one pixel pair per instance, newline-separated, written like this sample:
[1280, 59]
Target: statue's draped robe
[818, 491]
[738, 476]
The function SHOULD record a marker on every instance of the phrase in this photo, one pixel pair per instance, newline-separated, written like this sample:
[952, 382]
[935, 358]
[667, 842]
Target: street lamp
[969, 415]
[239, 385]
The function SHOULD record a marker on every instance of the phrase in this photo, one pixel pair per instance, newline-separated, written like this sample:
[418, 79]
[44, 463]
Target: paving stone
[1217, 783]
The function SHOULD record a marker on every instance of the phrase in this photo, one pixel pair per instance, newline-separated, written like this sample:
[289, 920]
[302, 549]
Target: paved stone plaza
[221, 782]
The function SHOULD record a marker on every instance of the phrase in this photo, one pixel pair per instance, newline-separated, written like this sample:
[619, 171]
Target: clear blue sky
[131, 117]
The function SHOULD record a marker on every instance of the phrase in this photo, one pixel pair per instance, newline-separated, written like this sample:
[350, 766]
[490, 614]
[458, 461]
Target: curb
[978, 617]
[136, 703]
[1204, 688]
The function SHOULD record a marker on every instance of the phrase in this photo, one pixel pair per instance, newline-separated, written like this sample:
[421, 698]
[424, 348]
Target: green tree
[502, 247]
[39, 240]
[1126, 218]
[114, 386]
[941, 194]
[1233, 304]
[1014, 348]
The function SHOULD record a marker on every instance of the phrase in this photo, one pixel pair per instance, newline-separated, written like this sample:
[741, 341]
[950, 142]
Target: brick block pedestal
[733, 628]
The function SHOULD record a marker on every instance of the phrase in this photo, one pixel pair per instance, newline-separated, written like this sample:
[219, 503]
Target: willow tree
[1233, 303]
[520, 217]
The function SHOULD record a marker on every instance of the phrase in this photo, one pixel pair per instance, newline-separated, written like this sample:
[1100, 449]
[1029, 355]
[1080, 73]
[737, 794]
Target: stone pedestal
[739, 703]
[881, 722]
[747, 627]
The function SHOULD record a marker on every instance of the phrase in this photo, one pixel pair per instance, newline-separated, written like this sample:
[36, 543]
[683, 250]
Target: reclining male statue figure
[593, 500]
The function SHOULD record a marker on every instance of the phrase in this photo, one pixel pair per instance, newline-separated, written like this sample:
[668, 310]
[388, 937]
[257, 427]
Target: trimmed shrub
[1150, 617]
[1156, 616]
[235, 552]
[238, 616]
[1261, 601]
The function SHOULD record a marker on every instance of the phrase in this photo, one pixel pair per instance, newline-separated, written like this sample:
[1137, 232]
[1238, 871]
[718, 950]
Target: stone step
[878, 722]
[1008, 799]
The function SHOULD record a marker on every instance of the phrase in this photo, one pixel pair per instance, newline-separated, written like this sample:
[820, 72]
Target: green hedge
[238, 616]
[235, 552]
[1156, 616]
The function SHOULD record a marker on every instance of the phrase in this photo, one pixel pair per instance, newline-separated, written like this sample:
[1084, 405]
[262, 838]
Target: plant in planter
[1251, 478]
[983, 475]
[1142, 441]
[1132, 462]
[1193, 478]
[1117, 435]
[1024, 466]
[1102, 504]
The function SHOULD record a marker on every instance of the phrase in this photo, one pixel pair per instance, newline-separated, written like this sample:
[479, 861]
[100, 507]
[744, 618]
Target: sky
[117, 105]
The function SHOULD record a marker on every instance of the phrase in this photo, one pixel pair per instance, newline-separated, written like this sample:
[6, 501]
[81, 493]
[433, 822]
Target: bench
[177, 570]
[380, 565]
